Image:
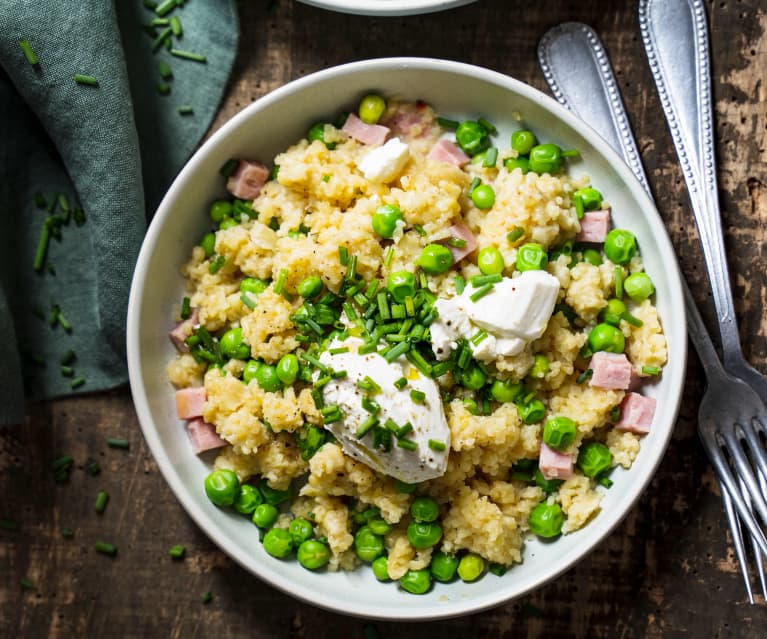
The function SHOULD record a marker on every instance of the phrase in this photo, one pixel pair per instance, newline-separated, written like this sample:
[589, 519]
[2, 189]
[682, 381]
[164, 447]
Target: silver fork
[578, 71]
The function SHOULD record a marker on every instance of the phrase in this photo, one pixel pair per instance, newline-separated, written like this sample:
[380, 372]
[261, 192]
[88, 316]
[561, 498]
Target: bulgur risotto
[411, 348]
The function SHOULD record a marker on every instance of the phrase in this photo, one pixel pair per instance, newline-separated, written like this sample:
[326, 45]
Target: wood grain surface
[667, 571]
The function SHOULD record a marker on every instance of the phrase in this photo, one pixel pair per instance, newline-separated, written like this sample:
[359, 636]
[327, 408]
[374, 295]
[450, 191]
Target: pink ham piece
[189, 402]
[637, 412]
[446, 151]
[462, 232]
[611, 371]
[365, 133]
[203, 436]
[183, 330]
[555, 465]
[248, 180]
[594, 226]
[411, 121]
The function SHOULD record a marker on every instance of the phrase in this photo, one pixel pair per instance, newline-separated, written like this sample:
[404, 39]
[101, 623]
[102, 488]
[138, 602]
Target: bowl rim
[387, 7]
[641, 475]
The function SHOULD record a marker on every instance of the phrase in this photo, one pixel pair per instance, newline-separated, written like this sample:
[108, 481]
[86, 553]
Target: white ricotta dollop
[516, 311]
[385, 163]
[428, 418]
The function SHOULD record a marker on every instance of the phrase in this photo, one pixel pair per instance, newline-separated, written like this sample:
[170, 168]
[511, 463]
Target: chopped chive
[481, 292]
[175, 24]
[460, 284]
[369, 347]
[245, 299]
[62, 463]
[400, 383]
[40, 201]
[229, 167]
[206, 597]
[619, 282]
[185, 109]
[417, 360]
[67, 533]
[418, 396]
[339, 374]
[150, 4]
[383, 305]
[79, 216]
[186, 309]
[365, 426]
[351, 270]
[630, 319]
[515, 234]
[177, 552]
[101, 501]
[650, 370]
[310, 359]
[163, 68]
[67, 371]
[478, 337]
[409, 306]
[216, 264]
[437, 445]
[92, 468]
[447, 124]
[371, 406]
[165, 7]
[188, 55]
[481, 280]
[282, 278]
[28, 53]
[42, 246]
[68, 357]
[605, 481]
[440, 368]
[491, 157]
[488, 126]
[115, 442]
[25, 584]
[388, 256]
[456, 242]
[584, 376]
[395, 351]
[407, 444]
[330, 416]
[106, 548]
[406, 429]
[420, 230]
[391, 425]
[163, 88]
[343, 255]
[368, 385]
[423, 280]
[64, 322]
[339, 350]
[159, 22]
[9, 524]
[474, 184]
[36, 359]
[372, 289]
[86, 80]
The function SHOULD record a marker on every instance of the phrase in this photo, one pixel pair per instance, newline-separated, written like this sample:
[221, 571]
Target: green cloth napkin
[113, 149]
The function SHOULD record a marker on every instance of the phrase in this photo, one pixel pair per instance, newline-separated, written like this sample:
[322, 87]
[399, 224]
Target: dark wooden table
[667, 571]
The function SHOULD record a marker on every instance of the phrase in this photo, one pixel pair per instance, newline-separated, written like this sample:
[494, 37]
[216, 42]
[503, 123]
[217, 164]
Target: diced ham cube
[637, 412]
[555, 465]
[611, 371]
[248, 180]
[594, 226]
[189, 402]
[446, 151]
[183, 330]
[411, 121]
[365, 133]
[462, 232]
[203, 436]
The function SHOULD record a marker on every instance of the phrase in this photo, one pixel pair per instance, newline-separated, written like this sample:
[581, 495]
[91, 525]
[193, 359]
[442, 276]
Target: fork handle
[675, 37]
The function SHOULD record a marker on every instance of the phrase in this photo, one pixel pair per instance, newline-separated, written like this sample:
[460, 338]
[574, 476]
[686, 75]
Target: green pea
[592, 257]
[233, 346]
[416, 582]
[471, 567]
[267, 378]
[227, 223]
[253, 285]
[371, 108]
[559, 432]
[287, 369]
[424, 534]
[473, 378]
[547, 485]
[604, 337]
[620, 246]
[521, 163]
[380, 568]
[317, 132]
[594, 458]
[362, 517]
[435, 259]
[384, 220]
[248, 499]
[472, 137]
[470, 404]
[368, 545]
[613, 312]
[222, 487]
[490, 261]
[483, 196]
[443, 566]
[278, 543]
[219, 210]
[545, 158]
[638, 286]
[265, 515]
[250, 371]
[208, 243]
[380, 526]
[531, 257]
[523, 141]
[540, 367]
[313, 554]
[546, 520]
[300, 530]
[272, 495]
[404, 487]
[424, 509]
[532, 411]
[587, 199]
[310, 287]
[401, 284]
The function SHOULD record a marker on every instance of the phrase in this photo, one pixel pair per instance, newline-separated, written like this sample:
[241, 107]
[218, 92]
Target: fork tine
[759, 555]
[744, 470]
[756, 447]
[722, 469]
[737, 540]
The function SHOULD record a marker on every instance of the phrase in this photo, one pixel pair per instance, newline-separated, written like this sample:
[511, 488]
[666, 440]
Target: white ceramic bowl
[387, 7]
[270, 125]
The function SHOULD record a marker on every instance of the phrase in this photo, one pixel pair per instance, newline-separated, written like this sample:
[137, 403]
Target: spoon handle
[592, 94]
[675, 37]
